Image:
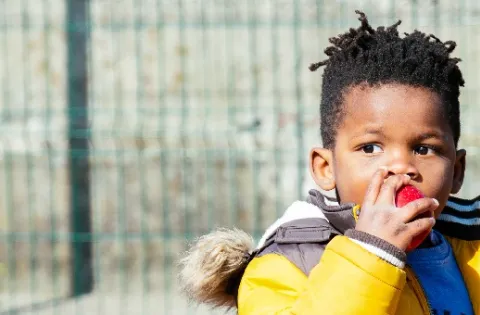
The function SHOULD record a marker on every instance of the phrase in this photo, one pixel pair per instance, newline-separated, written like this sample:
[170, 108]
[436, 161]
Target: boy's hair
[368, 56]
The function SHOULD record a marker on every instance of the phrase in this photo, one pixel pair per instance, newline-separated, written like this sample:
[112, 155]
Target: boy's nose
[399, 167]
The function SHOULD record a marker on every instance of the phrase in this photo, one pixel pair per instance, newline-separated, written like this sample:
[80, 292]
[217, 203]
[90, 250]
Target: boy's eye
[423, 150]
[371, 148]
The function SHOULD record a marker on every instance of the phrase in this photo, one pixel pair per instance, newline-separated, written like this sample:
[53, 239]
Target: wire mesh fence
[200, 113]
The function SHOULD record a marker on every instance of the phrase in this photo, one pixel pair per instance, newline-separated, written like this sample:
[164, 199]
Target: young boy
[390, 118]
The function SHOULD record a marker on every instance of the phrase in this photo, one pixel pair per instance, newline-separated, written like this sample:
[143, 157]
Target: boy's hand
[380, 217]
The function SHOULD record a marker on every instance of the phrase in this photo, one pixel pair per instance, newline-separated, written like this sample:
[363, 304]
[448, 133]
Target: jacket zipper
[419, 291]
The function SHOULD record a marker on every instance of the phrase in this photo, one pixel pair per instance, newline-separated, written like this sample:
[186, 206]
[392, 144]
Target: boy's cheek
[442, 197]
[436, 181]
[352, 189]
[352, 179]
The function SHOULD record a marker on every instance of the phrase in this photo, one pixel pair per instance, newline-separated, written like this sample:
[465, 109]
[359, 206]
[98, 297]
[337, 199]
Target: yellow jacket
[348, 279]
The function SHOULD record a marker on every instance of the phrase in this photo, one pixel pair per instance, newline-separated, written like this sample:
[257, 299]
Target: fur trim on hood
[211, 270]
[213, 267]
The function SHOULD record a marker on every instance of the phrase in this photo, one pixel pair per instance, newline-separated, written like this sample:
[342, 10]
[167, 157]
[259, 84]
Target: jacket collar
[317, 206]
[340, 216]
[460, 218]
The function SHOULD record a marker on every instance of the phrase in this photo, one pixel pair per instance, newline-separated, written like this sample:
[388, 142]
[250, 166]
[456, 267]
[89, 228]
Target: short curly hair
[381, 56]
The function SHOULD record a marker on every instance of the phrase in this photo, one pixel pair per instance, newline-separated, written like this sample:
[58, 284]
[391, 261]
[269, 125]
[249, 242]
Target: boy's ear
[459, 171]
[321, 168]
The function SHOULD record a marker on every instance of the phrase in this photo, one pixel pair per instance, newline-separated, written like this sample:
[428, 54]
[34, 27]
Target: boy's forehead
[390, 100]
[393, 105]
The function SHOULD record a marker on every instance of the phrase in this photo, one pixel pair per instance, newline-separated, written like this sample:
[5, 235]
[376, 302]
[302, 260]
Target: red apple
[405, 195]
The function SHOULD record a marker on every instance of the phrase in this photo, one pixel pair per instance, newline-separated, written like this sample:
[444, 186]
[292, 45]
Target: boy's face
[401, 127]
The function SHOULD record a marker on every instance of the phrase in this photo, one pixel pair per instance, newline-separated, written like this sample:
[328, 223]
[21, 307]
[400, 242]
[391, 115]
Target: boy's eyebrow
[375, 131]
[432, 135]
[370, 131]
[423, 136]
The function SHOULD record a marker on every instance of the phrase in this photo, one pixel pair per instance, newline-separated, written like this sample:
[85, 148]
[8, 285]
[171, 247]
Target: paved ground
[101, 304]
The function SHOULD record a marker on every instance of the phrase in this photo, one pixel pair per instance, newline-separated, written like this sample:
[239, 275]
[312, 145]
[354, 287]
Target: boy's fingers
[419, 226]
[417, 207]
[374, 187]
[389, 188]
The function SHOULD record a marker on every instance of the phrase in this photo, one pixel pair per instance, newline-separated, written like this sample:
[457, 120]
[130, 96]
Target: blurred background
[130, 127]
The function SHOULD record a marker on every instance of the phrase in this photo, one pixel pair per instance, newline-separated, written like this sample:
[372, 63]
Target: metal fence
[129, 127]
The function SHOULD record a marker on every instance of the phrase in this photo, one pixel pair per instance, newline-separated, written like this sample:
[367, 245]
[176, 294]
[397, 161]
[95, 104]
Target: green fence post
[80, 217]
